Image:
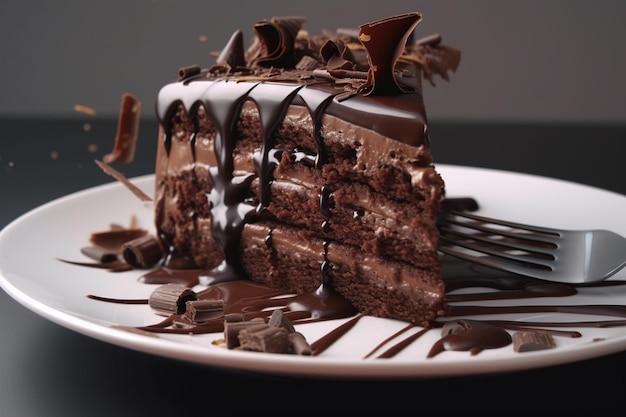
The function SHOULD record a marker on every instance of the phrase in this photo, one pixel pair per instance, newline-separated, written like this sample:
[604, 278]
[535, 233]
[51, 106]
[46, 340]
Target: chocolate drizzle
[474, 335]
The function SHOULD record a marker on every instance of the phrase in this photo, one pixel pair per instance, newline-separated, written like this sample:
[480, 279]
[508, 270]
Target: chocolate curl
[143, 252]
[127, 131]
[188, 72]
[171, 299]
[232, 56]
[385, 41]
[276, 39]
[337, 55]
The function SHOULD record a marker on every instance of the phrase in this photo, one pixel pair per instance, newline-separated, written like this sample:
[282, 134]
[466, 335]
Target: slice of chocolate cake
[303, 163]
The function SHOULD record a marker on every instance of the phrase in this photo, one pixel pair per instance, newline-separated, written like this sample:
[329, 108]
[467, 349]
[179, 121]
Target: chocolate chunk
[529, 341]
[201, 310]
[143, 252]
[233, 328]
[171, 299]
[264, 339]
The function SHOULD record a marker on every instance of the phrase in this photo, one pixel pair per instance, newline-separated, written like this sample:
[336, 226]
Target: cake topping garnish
[232, 56]
[365, 61]
[143, 252]
[275, 42]
[385, 41]
[528, 341]
[188, 72]
[127, 131]
[171, 299]
[108, 169]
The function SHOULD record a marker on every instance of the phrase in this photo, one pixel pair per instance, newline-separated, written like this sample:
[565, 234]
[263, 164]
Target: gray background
[533, 60]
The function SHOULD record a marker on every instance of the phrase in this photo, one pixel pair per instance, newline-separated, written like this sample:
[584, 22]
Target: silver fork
[565, 256]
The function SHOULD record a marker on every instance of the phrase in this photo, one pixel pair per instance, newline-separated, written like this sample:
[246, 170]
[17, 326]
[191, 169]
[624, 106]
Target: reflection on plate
[32, 274]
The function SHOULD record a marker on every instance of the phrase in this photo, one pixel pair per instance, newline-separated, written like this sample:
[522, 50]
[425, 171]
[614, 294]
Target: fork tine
[509, 267]
[521, 226]
[527, 261]
[547, 235]
[510, 244]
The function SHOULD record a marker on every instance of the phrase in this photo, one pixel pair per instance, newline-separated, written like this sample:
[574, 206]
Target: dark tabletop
[47, 370]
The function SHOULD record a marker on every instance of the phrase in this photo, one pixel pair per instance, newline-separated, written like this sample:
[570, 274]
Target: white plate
[31, 273]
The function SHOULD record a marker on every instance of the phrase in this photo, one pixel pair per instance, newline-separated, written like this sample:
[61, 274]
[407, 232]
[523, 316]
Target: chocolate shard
[278, 319]
[127, 131]
[108, 169]
[385, 41]
[201, 310]
[528, 341]
[143, 252]
[266, 339]
[171, 299]
[233, 56]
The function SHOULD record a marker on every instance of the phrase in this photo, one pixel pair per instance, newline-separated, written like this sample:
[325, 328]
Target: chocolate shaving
[308, 63]
[336, 54]
[143, 252]
[121, 178]
[114, 239]
[84, 109]
[275, 42]
[171, 299]
[127, 131]
[188, 72]
[529, 341]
